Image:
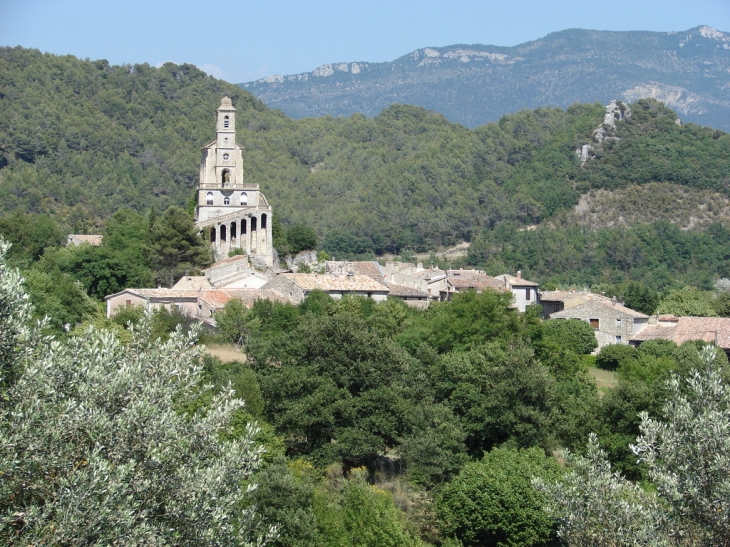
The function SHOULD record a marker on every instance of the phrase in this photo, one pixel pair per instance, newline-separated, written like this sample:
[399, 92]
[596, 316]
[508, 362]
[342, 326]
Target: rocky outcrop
[616, 111]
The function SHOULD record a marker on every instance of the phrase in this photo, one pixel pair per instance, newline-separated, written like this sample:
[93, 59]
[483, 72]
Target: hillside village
[234, 214]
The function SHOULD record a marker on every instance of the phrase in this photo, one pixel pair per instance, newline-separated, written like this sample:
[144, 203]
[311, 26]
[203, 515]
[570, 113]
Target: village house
[612, 322]
[714, 330]
[524, 292]
[196, 303]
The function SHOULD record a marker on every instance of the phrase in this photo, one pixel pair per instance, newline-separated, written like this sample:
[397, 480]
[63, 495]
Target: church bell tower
[233, 212]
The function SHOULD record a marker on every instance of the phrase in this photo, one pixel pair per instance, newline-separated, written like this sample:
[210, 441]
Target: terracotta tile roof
[405, 292]
[597, 307]
[330, 282]
[473, 279]
[708, 329]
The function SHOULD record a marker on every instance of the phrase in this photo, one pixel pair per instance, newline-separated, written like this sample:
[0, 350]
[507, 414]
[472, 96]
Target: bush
[573, 334]
[493, 503]
[613, 355]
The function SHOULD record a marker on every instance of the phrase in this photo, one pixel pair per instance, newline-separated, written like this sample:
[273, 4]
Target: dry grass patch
[604, 378]
[226, 352]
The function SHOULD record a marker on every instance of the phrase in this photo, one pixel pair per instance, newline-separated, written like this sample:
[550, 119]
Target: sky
[242, 40]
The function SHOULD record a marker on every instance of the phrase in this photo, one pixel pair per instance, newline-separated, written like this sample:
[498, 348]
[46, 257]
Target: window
[527, 294]
[209, 198]
[618, 323]
[618, 339]
[226, 200]
[244, 198]
[595, 323]
[226, 122]
[226, 157]
[128, 302]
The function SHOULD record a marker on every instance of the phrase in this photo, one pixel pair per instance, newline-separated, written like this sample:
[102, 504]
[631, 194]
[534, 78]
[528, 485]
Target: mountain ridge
[473, 84]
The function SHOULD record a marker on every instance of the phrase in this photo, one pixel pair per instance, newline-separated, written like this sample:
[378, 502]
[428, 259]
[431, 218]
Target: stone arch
[212, 234]
[223, 233]
[225, 177]
[233, 230]
[263, 221]
[253, 224]
[209, 198]
[244, 198]
[226, 122]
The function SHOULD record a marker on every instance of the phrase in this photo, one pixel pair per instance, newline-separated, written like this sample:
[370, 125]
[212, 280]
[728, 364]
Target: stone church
[231, 212]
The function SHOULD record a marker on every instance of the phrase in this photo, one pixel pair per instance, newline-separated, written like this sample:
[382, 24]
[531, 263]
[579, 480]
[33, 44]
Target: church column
[248, 236]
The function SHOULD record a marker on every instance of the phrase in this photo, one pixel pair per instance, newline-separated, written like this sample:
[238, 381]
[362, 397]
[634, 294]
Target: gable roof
[336, 283]
[598, 307]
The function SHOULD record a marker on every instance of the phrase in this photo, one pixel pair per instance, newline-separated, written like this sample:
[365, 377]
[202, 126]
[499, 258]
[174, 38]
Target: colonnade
[249, 233]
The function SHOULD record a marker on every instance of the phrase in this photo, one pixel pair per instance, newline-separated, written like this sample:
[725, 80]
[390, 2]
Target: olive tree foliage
[687, 453]
[596, 507]
[93, 448]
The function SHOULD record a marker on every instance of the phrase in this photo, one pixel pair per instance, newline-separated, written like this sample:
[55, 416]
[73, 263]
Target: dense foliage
[94, 449]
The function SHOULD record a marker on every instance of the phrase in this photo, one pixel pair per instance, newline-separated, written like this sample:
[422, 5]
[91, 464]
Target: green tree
[301, 238]
[175, 247]
[94, 451]
[687, 302]
[236, 323]
[573, 334]
[492, 502]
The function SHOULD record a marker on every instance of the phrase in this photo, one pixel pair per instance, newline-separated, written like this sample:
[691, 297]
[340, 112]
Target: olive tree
[687, 453]
[94, 447]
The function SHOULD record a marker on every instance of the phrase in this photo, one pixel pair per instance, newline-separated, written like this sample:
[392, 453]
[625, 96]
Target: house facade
[612, 322]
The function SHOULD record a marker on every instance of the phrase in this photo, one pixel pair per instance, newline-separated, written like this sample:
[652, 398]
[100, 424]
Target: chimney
[519, 274]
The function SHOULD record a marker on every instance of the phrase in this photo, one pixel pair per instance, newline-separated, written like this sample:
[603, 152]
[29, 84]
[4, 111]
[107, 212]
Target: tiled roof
[562, 296]
[330, 282]
[474, 279]
[227, 261]
[598, 306]
[193, 282]
[709, 329]
[405, 292]
[511, 281]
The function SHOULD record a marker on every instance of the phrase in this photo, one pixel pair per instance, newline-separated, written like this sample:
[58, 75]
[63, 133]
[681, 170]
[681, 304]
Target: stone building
[612, 322]
[231, 212]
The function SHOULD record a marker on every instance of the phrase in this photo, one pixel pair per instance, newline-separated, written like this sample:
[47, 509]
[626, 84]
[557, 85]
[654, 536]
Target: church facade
[232, 213]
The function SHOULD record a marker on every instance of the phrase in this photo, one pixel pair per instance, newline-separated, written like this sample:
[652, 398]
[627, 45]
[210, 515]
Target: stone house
[612, 322]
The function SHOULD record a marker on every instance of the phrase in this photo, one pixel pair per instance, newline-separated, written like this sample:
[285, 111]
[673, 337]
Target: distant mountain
[474, 84]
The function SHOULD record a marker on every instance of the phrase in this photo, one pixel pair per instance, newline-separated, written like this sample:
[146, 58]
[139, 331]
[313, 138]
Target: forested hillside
[82, 139]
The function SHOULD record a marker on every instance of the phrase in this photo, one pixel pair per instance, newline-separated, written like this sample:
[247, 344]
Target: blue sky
[244, 40]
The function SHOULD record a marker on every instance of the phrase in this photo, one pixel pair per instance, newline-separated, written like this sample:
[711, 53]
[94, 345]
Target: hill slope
[82, 139]
[476, 84]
